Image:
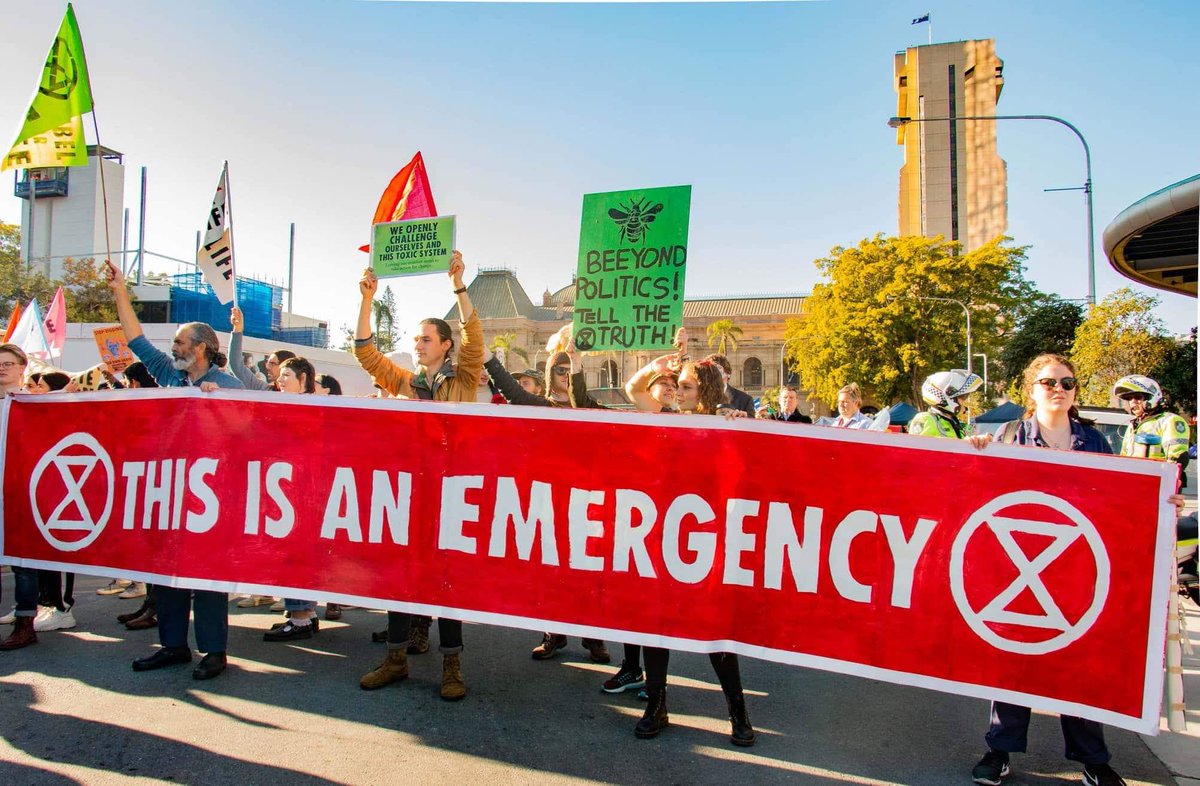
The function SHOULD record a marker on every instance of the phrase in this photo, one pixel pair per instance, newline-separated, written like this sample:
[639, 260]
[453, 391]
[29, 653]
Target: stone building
[505, 307]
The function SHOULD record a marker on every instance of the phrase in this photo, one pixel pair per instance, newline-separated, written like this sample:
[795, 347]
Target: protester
[47, 382]
[1051, 421]
[247, 376]
[789, 407]
[559, 370]
[849, 403]
[296, 375]
[531, 381]
[437, 378]
[738, 399]
[12, 372]
[701, 391]
[328, 386]
[945, 393]
[192, 362]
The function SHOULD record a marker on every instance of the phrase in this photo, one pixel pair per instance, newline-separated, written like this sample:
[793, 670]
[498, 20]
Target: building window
[752, 373]
[609, 378]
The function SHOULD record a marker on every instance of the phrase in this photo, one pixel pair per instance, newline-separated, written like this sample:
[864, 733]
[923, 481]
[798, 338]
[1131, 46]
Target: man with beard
[194, 360]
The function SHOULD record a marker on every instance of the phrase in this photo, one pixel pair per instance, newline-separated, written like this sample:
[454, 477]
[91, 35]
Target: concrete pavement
[72, 712]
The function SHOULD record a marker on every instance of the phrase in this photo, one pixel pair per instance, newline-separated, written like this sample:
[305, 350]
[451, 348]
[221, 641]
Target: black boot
[655, 718]
[124, 619]
[741, 734]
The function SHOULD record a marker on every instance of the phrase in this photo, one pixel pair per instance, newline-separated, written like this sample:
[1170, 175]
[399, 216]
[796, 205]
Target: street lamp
[959, 303]
[985, 370]
[899, 122]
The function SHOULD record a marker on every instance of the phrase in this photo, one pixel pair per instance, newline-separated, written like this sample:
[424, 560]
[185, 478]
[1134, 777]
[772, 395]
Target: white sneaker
[55, 620]
[10, 617]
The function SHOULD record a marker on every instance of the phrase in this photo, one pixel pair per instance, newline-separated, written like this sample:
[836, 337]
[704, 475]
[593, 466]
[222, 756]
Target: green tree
[723, 332]
[88, 296]
[1121, 335]
[17, 285]
[383, 309]
[1176, 373]
[1048, 326]
[508, 342]
[865, 322]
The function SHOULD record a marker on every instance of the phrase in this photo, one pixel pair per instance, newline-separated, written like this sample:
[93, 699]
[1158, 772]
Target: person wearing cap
[563, 371]
[531, 380]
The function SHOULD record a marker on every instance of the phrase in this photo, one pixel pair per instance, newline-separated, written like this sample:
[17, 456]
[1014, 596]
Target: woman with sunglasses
[701, 391]
[1052, 422]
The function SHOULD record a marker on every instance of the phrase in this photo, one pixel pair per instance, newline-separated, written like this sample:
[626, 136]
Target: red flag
[407, 196]
[12, 322]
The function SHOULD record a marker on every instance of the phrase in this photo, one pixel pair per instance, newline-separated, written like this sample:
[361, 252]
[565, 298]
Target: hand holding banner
[114, 350]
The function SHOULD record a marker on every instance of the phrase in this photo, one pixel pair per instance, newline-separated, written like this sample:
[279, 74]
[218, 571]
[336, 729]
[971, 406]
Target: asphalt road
[73, 712]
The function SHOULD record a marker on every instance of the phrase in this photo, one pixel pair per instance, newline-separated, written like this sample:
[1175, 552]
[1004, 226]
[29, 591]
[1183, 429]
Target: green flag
[63, 95]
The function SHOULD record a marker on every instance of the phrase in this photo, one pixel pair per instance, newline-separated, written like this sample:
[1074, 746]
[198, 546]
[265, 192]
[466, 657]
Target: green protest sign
[410, 248]
[632, 256]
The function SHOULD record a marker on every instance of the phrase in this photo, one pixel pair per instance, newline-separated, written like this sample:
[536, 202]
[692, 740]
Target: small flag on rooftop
[920, 19]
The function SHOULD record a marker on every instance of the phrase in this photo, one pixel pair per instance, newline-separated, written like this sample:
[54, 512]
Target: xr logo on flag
[1056, 530]
[76, 459]
[62, 73]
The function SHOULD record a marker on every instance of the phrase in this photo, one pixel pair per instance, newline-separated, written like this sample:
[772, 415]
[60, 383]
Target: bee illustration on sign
[635, 218]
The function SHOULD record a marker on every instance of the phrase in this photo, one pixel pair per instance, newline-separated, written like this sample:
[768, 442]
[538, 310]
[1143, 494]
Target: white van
[1109, 422]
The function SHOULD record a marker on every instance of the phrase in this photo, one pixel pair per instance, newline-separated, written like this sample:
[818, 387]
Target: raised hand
[368, 284]
[113, 276]
[456, 269]
[236, 320]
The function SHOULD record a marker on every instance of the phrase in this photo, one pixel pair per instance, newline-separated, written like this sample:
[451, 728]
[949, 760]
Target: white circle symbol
[1030, 570]
[74, 471]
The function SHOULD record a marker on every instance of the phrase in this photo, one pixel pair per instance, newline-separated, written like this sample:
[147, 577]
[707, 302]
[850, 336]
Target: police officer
[1143, 399]
[944, 392]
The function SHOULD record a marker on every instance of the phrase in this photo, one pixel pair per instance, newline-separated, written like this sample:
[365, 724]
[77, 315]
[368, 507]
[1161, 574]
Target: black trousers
[724, 664]
[449, 631]
[1010, 728]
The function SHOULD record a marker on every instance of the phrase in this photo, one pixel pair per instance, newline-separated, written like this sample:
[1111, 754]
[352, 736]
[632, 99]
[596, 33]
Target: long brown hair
[1030, 379]
[711, 385]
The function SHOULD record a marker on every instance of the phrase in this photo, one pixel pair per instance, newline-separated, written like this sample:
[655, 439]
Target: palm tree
[507, 342]
[723, 332]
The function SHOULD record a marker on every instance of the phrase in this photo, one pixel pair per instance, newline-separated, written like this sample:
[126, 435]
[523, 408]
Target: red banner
[1032, 576]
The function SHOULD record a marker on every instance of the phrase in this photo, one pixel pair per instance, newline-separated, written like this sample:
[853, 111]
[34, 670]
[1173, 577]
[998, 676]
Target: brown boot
[393, 669]
[22, 635]
[418, 638]
[453, 687]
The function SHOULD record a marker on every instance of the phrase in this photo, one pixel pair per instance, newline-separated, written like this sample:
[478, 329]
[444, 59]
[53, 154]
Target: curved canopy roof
[1154, 240]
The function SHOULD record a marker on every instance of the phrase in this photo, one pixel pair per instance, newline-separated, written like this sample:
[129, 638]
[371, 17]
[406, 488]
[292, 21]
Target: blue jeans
[211, 613]
[1010, 726]
[25, 582]
[289, 604]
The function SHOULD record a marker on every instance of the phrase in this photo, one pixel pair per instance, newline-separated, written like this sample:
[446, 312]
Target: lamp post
[959, 303]
[899, 122]
[985, 369]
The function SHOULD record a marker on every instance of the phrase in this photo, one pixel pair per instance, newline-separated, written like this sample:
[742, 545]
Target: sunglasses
[1068, 383]
[562, 371]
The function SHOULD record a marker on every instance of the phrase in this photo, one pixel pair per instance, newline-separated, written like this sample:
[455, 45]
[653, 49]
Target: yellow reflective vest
[1167, 426]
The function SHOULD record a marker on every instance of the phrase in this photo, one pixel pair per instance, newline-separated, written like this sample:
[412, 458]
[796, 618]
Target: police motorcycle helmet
[1136, 383]
[943, 388]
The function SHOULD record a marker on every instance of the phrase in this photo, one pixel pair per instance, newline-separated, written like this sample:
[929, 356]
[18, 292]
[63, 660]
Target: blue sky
[775, 113]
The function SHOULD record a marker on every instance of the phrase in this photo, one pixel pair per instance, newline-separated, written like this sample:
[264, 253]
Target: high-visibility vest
[1171, 429]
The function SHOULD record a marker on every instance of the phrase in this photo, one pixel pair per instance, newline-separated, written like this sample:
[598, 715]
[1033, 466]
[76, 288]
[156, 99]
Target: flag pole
[930, 29]
[99, 156]
[229, 221]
